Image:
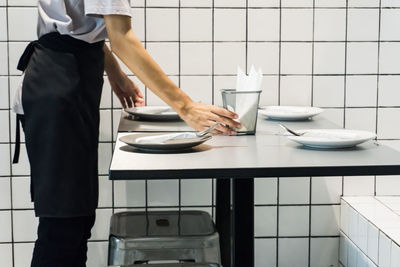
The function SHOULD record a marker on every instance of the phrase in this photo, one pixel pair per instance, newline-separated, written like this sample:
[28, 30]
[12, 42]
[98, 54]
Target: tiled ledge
[370, 231]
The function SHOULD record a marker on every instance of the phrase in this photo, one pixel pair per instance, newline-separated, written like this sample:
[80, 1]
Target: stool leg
[243, 224]
[223, 219]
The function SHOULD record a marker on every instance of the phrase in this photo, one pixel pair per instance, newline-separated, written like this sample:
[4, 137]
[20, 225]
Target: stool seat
[162, 235]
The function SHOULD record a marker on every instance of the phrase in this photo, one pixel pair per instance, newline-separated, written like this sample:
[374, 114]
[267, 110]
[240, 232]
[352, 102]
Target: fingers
[224, 120]
[221, 129]
[224, 112]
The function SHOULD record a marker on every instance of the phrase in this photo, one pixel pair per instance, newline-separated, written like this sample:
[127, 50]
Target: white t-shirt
[81, 19]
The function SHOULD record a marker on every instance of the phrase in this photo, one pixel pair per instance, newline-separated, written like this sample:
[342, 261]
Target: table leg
[243, 222]
[223, 219]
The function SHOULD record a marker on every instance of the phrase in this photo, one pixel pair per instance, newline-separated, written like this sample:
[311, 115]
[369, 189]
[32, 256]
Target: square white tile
[129, 193]
[265, 191]
[138, 23]
[161, 3]
[270, 88]
[263, 24]
[166, 55]
[324, 251]
[5, 225]
[21, 193]
[294, 190]
[353, 224]
[329, 58]
[293, 221]
[361, 91]
[388, 185]
[105, 155]
[196, 192]
[328, 91]
[330, 24]
[22, 167]
[22, 23]
[163, 192]
[293, 252]
[196, 3]
[297, 24]
[23, 254]
[5, 193]
[390, 21]
[6, 255]
[265, 252]
[368, 123]
[297, 3]
[390, 3]
[229, 24]
[97, 254]
[106, 94]
[363, 3]
[343, 249]
[105, 132]
[100, 230]
[389, 58]
[196, 24]
[263, 3]
[162, 24]
[227, 56]
[386, 117]
[389, 93]
[362, 58]
[385, 245]
[199, 88]
[3, 58]
[264, 56]
[325, 220]
[344, 217]
[373, 243]
[395, 255]
[25, 225]
[295, 90]
[196, 58]
[363, 24]
[362, 233]
[3, 24]
[335, 115]
[3, 90]
[5, 159]
[229, 3]
[326, 190]
[330, 3]
[358, 185]
[296, 58]
[265, 221]
[105, 192]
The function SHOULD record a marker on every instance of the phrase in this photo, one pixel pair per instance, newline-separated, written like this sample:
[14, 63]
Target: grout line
[277, 221]
[280, 57]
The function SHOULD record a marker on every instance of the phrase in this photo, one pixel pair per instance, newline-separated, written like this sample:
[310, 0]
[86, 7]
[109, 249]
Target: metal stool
[139, 237]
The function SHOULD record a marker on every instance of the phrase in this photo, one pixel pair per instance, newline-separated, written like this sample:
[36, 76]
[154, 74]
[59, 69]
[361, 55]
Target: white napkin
[160, 139]
[246, 105]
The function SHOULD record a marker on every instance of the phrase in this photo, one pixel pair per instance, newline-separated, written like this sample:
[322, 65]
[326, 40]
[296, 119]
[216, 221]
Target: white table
[240, 159]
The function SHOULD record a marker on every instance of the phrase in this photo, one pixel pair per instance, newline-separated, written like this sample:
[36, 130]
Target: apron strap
[17, 139]
[24, 59]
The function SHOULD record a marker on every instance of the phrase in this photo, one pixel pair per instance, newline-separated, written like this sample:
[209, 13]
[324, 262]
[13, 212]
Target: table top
[266, 154]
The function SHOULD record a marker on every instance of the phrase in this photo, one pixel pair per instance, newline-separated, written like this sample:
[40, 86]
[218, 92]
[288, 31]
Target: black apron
[61, 97]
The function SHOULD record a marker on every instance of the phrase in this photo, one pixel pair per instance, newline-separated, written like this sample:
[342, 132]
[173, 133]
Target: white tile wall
[201, 53]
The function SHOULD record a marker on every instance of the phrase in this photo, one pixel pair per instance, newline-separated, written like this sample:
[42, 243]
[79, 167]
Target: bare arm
[130, 50]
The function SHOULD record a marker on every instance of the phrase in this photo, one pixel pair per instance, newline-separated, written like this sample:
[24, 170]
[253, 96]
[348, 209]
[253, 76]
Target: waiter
[61, 89]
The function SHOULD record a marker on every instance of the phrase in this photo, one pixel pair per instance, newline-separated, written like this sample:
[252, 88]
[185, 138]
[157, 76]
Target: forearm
[131, 51]
[111, 65]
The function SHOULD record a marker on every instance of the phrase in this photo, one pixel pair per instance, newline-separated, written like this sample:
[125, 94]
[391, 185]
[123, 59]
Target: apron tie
[22, 65]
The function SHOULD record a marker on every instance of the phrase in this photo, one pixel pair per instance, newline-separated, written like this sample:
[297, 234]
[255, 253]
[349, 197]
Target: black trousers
[62, 242]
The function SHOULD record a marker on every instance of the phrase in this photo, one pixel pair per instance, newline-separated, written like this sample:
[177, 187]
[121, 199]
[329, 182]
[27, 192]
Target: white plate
[171, 145]
[153, 113]
[289, 113]
[332, 138]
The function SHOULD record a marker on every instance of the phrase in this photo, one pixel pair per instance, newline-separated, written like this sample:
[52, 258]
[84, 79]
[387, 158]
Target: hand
[127, 91]
[200, 116]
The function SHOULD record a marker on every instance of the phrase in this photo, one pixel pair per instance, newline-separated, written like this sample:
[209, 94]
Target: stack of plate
[154, 113]
[289, 113]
